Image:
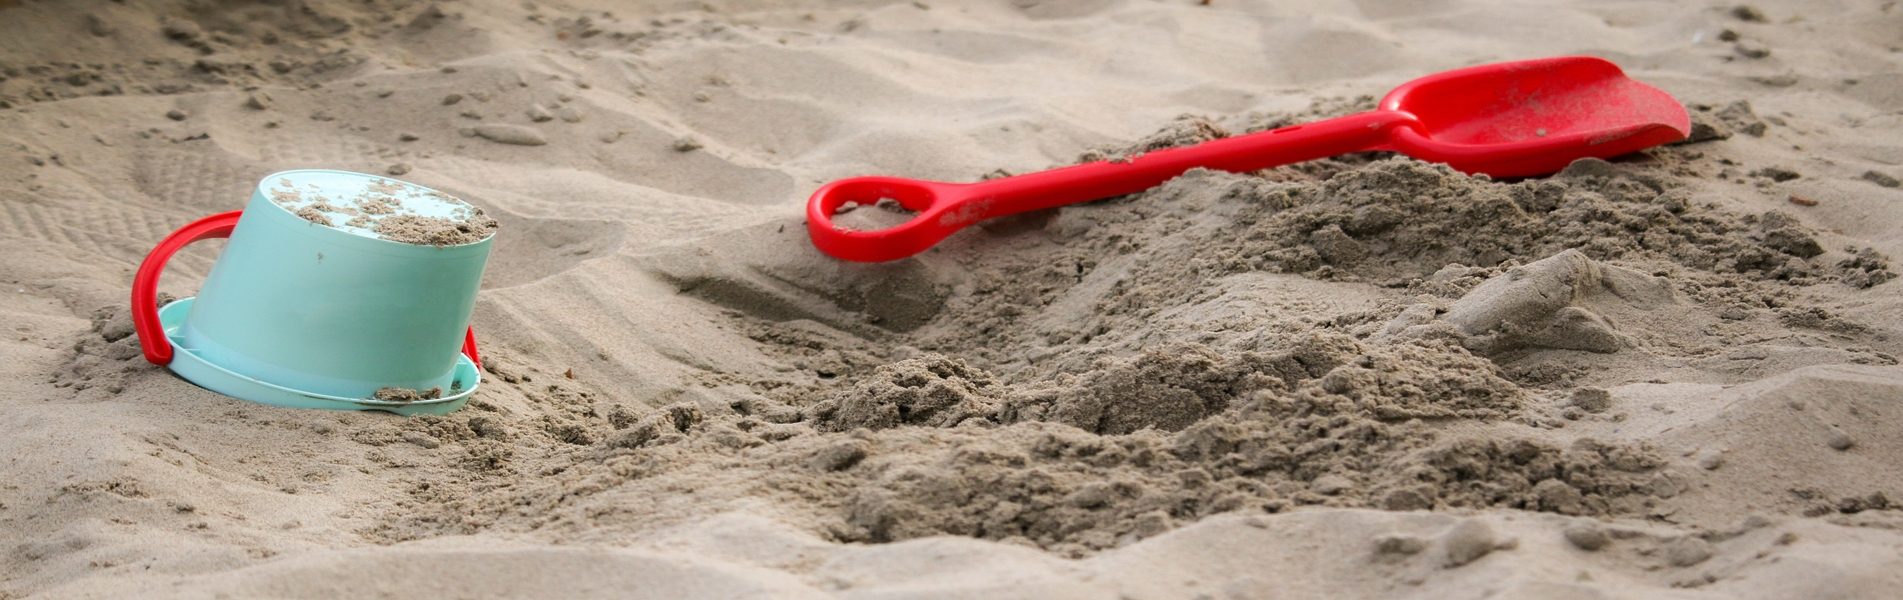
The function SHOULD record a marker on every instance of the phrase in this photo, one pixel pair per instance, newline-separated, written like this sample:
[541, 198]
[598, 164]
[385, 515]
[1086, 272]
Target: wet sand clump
[436, 231]
[397, 394]
[314, 215]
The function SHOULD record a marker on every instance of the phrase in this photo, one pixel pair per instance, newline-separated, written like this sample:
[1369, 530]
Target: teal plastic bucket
[334, 286]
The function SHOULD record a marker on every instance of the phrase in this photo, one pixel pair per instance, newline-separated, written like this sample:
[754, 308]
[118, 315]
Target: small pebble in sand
[1688, 551]
[568, 114]
[397, 394]
[1802, 200]
[516, 135]
[421, 439]
[838, 457]
[1556, 495]
[258, 101]
[1467, 542]
[1592, 400]
[1588, 536]
[1091, 495]
[1397, 544]
[1839, 440]
[1752, 522]
[1589, 167]
[180, 30]
[177, 114]
[407, 137]
[1152, 524]
[539, 114]
[1881, 179]
[398, 169]
[1710, 460]
[686, 143]
[99, 27]
[1406, 499]
[1331, 484]
[609, 137]
[452, 99]
[1748, 13]
[1750, 49]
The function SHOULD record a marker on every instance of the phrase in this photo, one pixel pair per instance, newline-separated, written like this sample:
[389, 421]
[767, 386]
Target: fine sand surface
[1673, 375]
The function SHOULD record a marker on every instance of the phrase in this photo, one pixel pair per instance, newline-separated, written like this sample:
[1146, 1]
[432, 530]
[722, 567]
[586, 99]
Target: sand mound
[1115, 376]
[1401, 219]
[1061, 411]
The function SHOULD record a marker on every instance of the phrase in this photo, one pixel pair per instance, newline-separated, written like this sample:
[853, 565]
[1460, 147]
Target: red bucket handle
[145, 287]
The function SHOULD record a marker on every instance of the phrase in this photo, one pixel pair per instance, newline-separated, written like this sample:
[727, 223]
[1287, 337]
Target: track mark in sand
[348, 153]
[592, 196]
[1063, 10]
[537, 248]
[29, 221]
[122, 233]
[197, 179]
[763, 273]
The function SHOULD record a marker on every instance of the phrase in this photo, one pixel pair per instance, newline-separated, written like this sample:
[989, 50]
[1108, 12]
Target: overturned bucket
[337, 290]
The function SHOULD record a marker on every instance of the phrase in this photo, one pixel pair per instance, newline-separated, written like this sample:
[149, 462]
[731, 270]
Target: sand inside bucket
[381, 208]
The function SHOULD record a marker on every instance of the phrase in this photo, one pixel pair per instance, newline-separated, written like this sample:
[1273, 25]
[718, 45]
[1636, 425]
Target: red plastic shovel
[1511, 119]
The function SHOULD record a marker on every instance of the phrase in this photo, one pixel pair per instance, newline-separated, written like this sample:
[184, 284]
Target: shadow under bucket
[338, 290]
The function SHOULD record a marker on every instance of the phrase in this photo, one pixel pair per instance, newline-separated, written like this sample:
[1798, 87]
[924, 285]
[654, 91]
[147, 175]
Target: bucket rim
[262, 190]
[189, 365]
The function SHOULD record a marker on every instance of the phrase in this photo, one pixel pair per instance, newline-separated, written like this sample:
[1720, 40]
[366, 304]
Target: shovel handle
[145, 287]
[945, 208]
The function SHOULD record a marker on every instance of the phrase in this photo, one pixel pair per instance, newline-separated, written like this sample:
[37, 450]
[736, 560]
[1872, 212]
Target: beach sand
[1670, 375]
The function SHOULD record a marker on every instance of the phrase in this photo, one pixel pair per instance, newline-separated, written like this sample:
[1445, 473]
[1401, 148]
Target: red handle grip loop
[930, 199]
[145, 287]
[145, 284]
